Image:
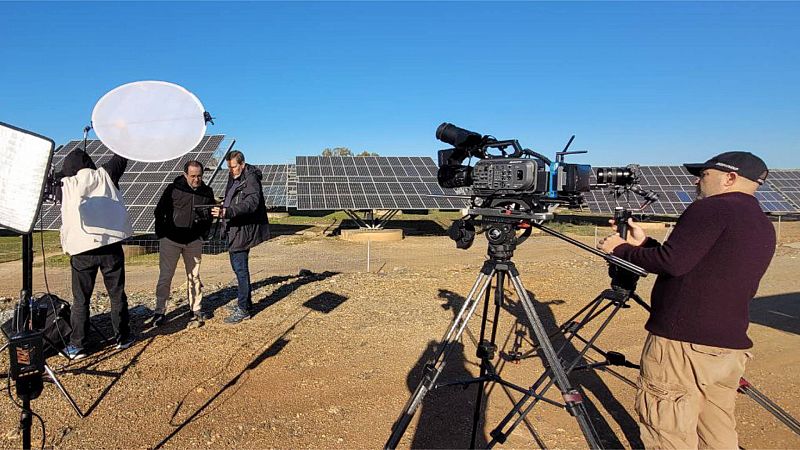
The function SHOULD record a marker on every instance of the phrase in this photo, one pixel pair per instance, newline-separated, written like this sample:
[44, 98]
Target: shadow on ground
[324, 303]
[446, 414]
[780, 312]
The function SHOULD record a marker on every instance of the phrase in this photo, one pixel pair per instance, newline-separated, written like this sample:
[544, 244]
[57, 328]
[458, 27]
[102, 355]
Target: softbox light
[24, 163]
[149, 121]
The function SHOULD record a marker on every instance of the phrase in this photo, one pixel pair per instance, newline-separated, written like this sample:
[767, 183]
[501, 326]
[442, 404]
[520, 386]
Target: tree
[366, 153]
[337, 151]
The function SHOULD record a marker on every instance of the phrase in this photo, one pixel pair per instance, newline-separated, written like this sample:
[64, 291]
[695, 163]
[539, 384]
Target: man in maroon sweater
[708, 271]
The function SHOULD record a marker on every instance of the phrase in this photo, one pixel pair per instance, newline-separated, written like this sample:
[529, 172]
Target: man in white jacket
[94, 223]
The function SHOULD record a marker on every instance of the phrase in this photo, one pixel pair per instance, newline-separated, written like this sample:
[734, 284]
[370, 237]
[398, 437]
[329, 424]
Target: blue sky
[644, 82]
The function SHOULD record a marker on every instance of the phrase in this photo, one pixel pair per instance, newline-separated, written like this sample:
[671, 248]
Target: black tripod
[501, 234]
[610, 301]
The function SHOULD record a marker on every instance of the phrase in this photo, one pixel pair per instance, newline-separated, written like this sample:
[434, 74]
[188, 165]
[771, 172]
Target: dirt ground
[333, 352]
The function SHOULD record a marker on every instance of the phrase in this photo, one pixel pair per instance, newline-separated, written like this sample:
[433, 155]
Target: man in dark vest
[245, 216]
[708, 271]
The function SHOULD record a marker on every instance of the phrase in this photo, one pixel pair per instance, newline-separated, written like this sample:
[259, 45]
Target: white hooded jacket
[93, 213]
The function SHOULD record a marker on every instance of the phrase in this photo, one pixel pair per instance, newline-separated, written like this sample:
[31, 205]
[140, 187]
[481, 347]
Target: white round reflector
[149, 121]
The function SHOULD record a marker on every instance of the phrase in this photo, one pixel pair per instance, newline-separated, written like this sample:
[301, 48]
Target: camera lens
[616, 175]
[457, 137]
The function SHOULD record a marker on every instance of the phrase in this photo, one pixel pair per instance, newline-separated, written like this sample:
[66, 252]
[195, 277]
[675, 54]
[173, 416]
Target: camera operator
[181, 229]
[245, 215]
[94, 223]
[708, 271]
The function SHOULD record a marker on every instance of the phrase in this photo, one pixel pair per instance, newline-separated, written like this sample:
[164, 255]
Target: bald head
[712, 182]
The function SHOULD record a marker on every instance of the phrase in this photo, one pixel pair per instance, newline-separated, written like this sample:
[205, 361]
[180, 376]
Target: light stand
[25, 159]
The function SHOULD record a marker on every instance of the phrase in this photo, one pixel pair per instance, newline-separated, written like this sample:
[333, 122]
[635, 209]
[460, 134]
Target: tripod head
[503, 238]
[502, 225]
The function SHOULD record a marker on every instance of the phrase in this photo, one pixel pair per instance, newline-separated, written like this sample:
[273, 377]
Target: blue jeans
[240, 267]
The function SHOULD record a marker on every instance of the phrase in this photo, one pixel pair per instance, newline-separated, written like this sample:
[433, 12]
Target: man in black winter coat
[181, 229]
[245, 216]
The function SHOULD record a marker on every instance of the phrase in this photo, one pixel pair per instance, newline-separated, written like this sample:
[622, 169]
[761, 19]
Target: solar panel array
[676, 189]
[788, 183]
[141, 184]
[278, 184]
[370, 182]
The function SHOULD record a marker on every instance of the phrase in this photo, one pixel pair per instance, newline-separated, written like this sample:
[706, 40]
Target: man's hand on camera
[218, 212]
[636, 235]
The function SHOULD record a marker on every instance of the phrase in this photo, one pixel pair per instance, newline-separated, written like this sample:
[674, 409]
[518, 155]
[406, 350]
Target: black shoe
[124, 343]
[201, 316]
[156, 320]
[237, 316]
[74, 353]
[194, 322]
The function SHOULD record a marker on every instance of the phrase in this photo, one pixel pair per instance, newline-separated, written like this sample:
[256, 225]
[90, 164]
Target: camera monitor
[24, 162]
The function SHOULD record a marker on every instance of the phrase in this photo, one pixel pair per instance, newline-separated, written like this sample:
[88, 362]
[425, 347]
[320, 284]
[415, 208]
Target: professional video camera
[509, 182]
[516, 174]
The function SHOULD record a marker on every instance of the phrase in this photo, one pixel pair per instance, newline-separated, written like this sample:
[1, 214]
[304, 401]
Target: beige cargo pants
[687, 394]
[168, 253]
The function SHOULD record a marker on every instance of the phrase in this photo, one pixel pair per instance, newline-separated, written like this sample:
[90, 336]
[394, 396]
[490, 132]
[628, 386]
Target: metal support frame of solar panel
[276, 184]
[676, 189]
[142, 183]
[370, 182]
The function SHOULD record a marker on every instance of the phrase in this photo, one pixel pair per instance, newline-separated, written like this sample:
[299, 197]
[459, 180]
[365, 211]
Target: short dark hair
[193, 163]
[235, 154]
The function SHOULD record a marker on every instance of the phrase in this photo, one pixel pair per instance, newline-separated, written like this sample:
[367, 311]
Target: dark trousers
[239, 263]
[111, 262]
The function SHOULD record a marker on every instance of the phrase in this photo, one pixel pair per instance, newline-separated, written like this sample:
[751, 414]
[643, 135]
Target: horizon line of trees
[344, 151]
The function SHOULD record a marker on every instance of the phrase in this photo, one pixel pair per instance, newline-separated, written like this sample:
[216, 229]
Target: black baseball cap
[745, 164]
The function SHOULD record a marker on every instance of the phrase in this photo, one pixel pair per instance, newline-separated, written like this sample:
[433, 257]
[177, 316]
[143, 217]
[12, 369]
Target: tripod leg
[748, 389]
[97, 330]
[434, 368]
[640, 302]
[483, 350]
[571, 396]
[457, 322]
[63, 390]
[498, 434]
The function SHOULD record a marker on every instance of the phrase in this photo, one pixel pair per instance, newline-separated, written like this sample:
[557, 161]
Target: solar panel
[676, 190]
[787, 182]
[142, 183]
[370, 182]
[279, 184]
